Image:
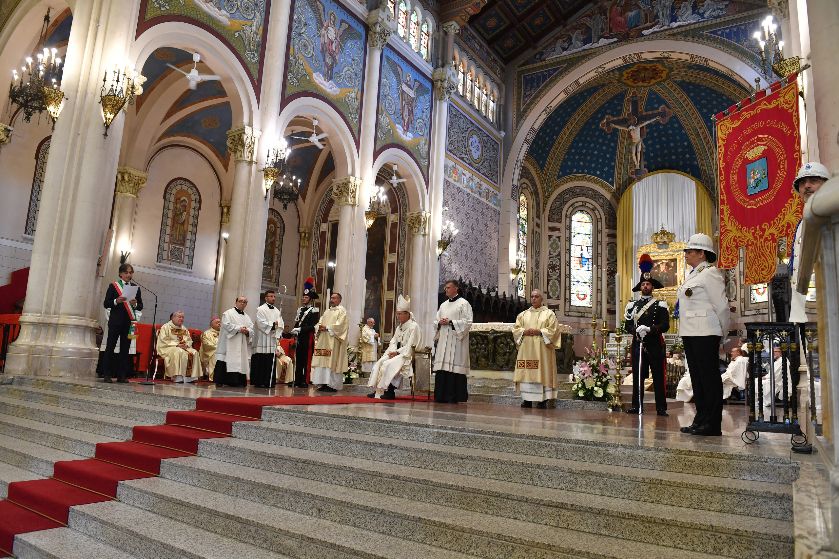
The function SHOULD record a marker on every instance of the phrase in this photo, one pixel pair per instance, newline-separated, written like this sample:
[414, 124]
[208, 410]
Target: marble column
[419, 228]
[241, 142]
[57, 336]
[823, 18]
[221, 255]
[128, 185]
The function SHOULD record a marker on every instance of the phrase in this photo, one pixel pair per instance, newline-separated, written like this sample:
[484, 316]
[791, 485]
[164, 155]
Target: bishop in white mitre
[395, 365]
[369, 342]
[174, 345]
[233, 355]
[267, 332]
[537, 335]
[329, 362]
[451, 348]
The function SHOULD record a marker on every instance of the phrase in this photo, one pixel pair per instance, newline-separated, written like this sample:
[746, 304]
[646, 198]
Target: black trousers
[794, 363]
[116, 333]
[301, 357]
[652, 360]
[702, 353]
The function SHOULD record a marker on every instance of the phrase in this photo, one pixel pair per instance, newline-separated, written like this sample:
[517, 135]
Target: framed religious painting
[668, 265]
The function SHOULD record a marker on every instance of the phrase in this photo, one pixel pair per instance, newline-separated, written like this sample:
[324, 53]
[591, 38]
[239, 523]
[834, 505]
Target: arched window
[582, 231]
[491, 109]
[469, 86]
[179, 224]
[521, 252]
[274, 233]
[414, 38]
[402, 20]
[461, 77]
[425, 41]
[41, 154]
[391, 6]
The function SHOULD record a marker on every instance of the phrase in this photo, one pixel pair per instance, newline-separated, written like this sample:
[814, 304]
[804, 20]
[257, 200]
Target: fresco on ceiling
[404, 113]
[610, 22]
[326, 56]
[208, 126]
[239, 23]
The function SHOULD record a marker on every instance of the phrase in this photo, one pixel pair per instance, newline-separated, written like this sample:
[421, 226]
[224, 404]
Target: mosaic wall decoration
[274, 234]
[477, 243]
[466, 36]
[472, 145]
[326, 57]
[179, 224]
[241, 24]
[404, 113]
[41, 154]
[472, 183]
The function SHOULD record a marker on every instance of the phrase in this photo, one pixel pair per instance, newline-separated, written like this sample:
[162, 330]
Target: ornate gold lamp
[376, 208]
[276, 175]
[119, 88]
[772, 51]
[447, 235]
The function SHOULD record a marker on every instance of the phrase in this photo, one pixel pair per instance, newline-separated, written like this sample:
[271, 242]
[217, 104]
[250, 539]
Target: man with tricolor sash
[122, 322]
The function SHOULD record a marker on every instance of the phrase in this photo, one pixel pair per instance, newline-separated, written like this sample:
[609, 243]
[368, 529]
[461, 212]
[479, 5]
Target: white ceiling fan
[314, 138]
[394, 180]
[193, 76]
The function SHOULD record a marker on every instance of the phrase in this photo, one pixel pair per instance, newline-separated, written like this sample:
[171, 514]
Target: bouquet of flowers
[353, 360]
[594, 377]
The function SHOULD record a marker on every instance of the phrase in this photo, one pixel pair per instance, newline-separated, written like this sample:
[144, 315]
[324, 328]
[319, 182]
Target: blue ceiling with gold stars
[576, 138]
[208, 125]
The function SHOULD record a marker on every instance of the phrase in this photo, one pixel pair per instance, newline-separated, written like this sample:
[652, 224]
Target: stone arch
[415, 188]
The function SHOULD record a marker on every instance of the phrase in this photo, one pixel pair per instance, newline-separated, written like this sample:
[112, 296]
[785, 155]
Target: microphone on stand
[153, 352]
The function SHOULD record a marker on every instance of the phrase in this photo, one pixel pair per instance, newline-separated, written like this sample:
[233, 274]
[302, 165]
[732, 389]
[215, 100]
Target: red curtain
[758, 155]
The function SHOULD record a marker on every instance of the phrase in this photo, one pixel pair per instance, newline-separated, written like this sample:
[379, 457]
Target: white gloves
[295, 331]
[642, 331]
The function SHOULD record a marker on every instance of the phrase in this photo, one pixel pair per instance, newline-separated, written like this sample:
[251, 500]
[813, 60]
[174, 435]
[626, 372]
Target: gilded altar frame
[671, 258]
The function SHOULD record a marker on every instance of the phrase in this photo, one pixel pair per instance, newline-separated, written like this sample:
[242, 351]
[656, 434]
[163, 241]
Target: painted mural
[404, 114]
[326, 56]
[467, 141]
[239, 23]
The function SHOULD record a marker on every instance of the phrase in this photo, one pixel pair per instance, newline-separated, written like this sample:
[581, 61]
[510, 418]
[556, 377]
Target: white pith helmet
[811, 169]
[701, 241]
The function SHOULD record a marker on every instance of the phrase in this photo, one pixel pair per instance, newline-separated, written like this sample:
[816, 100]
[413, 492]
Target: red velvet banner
[758, 154]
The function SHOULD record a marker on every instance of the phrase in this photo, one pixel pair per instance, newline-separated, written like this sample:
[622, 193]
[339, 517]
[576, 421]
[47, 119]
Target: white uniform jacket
[703, 305]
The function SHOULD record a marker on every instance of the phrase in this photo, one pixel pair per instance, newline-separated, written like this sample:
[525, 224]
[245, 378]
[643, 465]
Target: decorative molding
[130, 181]
[451, 27]
[304, 237]
[419, 223]
[242, 143]
[382, 26]
[459, 11]
[345, 191]
[445, 82]
[5, 134]
[225, 212]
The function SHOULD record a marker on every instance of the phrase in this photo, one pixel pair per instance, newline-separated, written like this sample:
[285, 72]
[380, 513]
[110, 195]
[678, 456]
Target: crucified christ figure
[636, 137]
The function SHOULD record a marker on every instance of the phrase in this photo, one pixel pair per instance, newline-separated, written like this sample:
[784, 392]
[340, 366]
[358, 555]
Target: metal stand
[153, 352]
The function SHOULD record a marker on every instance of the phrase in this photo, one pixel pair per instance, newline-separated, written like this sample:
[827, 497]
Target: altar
[492, 351]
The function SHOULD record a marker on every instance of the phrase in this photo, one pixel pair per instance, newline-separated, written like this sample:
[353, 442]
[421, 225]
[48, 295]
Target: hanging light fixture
[772, 51]
[37, 87]
[120, 87]
[447, 235]
[376, 208]
[276, 175]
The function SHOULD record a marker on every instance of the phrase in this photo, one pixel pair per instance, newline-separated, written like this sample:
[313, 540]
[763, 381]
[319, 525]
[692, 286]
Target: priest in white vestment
[736, 373]
[537, 337]
[329, 362]
[233, 356]
[267, 332]
[778, 374]
[451, 346]
[174, 345]
[209, 345]
[369, 345]
[395, 365]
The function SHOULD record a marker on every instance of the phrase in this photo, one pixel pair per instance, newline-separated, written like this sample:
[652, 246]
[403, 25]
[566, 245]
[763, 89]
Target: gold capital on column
[445, 82]
[450, 27]
[225, 212]
[242, 143]
[381, 25]
[304, 238]
[345, 191]
[418, 222]
[5, 133]
[130, 181]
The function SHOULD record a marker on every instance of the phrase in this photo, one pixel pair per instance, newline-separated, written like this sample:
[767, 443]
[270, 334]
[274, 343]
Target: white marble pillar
[421, 257]
[823, 20]
[128, 185]
[241, 142]
[57, 335]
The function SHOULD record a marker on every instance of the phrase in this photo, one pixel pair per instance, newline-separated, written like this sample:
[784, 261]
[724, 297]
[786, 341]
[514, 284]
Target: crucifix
[635, 122]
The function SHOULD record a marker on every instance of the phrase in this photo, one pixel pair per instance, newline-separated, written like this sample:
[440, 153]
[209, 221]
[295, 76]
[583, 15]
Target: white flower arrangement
[594, 377]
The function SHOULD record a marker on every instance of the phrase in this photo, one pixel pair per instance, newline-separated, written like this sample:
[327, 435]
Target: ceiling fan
[314, 138]
[193, 76]
[394, 180]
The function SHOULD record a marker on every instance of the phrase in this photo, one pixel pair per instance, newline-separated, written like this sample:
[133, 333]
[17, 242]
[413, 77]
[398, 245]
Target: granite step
[31, 457]
[709, 463]
[379, 536]
[136, 412]
[474, 488]
[147, 535]
[508, 524]
[64, 543]
[106, 426]
[9, 474]
[54, 436]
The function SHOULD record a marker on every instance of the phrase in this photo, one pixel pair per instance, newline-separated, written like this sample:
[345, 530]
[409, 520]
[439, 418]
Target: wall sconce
[516, 271]
[124, 253]
[376, 208]
[119, 88]
[225, 235]
[447, 235]
[772, 51]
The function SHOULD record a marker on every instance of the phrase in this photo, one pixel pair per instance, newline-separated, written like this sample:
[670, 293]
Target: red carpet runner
[42, 504]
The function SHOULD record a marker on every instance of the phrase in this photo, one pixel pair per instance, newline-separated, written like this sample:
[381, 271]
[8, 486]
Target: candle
[604, 300]
[594, 292]
[617, 301]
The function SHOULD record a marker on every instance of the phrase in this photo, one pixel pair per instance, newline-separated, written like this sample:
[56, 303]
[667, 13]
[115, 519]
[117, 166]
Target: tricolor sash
[132, 329]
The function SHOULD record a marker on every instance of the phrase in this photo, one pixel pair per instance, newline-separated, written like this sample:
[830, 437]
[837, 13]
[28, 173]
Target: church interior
[378, 149]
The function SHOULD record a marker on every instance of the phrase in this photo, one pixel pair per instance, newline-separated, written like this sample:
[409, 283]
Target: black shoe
[327, 388]
[301, 385]
[289, 384]
[389, 395]
[527, 404]
[321, 388]
[662, 413]
[689, 429]
[122, 380]
[542, 405]
[107, 379]
[632, 410]
[371, 395]
[706, 432]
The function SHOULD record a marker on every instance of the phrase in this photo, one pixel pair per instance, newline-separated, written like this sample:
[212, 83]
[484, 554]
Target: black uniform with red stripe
[657, 317]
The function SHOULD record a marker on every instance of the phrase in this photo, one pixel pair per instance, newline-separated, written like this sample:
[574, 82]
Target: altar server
[268, 330]
[451, 346]
[234, 345]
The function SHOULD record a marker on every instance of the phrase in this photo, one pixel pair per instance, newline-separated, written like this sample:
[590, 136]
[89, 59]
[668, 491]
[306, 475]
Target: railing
[762, 384]
[8, 334]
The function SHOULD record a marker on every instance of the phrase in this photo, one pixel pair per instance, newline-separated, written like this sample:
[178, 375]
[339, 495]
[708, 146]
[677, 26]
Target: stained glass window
[179, 224]
[274, 233]
[414, 39]
[759, 293]
[402, 20]
[37, 184]
[521, 253]
[425, 41]
[581, 254]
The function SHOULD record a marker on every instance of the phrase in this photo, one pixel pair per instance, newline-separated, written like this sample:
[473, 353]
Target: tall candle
[594, 283]
[604, 298]
[618, 308]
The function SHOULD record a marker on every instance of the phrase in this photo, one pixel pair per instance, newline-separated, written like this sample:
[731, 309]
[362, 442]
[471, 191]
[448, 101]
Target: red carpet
[45, 503]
